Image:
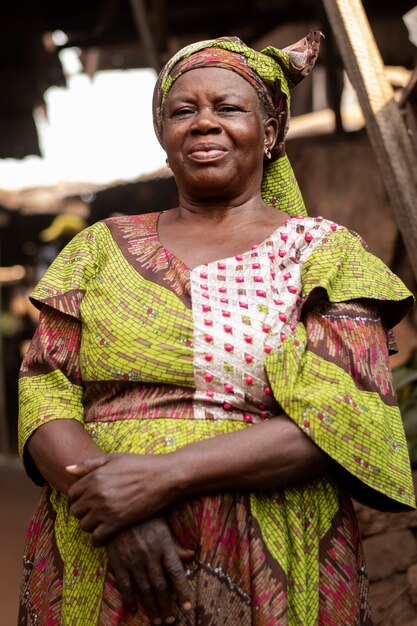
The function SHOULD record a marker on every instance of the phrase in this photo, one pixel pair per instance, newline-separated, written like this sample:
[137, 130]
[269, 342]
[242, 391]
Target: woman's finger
[185, 554]
[126, 586]
[146, 595]
[79, 508]
[86, 466]
[88, 522]
[162, 591]
[79, 488]
[104, 531]
[176, 572]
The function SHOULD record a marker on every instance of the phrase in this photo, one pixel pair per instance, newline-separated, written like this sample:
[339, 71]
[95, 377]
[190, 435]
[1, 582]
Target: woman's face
[215, 135]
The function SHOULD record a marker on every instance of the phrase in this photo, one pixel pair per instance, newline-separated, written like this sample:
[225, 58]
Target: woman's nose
[205, 122]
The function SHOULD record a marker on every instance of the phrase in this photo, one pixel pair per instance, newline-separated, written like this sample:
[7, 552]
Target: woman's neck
[200, 234]
[219, 210]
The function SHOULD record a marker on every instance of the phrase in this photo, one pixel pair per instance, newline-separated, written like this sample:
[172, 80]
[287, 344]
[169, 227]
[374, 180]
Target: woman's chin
[209, 180]
[212, 187]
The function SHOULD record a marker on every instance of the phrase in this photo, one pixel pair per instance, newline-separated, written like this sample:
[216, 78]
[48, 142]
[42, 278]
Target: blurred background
[77, 146]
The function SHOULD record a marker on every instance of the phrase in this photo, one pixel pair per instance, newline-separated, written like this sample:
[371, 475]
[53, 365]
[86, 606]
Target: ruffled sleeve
[50, 384]
[343, 266]
[65, 282]
[333, 377]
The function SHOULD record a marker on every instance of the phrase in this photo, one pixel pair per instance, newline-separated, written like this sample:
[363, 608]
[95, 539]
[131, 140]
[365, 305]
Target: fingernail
[187, 606]
[157, 621]
[70, 467]
[170, 620]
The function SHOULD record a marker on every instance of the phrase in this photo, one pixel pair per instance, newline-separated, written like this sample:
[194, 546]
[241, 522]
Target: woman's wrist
[182, 473]
[57, 444]
[196, 469]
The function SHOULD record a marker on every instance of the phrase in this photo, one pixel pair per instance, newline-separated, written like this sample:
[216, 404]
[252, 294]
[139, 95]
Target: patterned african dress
[150, 355]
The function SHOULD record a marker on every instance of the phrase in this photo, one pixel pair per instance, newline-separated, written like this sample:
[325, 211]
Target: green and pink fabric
[149, 355]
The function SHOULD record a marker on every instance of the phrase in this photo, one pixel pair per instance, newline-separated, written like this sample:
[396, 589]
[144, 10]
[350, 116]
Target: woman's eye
[183, 112]
[229, 108]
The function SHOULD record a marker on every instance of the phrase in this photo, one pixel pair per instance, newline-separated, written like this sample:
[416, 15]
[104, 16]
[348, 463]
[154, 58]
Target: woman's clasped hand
[117, 490]
[148, 564]
[111, 495]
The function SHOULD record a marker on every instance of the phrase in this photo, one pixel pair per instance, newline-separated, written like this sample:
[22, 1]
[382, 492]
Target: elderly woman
[235, 357]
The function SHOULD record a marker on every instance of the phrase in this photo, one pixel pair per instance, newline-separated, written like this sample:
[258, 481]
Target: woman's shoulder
[304, 223]
[339, 261]
[143, 222]
[122, 229]
[324, 234]
[303, 235]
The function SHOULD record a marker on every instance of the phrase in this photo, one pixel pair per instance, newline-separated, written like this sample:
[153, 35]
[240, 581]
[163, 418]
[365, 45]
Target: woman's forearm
[273, 454]
[57, 444]
[116, 491]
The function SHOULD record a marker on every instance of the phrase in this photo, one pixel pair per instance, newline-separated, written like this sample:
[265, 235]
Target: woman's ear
[271, 128]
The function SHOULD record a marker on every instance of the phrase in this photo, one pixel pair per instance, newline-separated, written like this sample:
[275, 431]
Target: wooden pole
[4, 430]
[384, 123]
[142, 26]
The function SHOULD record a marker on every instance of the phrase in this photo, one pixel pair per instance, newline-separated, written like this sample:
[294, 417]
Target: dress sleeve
[50, 385]
[66, 281]
[343, 267]
[333, 376]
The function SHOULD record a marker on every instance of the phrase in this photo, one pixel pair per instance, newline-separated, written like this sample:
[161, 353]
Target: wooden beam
[384, 123]
[4, 429]
[142, 26]
[158, 19]
[408, 105]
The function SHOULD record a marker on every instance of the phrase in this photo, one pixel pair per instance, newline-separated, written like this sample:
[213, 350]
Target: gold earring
[268, 153]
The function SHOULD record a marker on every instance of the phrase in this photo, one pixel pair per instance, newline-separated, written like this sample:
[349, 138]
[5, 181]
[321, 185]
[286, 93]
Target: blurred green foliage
[405, 382]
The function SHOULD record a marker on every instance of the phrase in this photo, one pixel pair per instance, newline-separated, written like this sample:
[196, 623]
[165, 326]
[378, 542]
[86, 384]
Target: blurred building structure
[116, 34]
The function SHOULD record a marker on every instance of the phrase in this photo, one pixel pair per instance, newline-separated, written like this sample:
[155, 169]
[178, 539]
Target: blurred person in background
[54, 238]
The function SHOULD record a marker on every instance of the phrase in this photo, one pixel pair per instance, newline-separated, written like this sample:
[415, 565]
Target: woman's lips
[209, 152]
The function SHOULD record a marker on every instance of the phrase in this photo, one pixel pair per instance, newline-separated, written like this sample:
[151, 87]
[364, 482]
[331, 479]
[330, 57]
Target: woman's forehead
[214, 80]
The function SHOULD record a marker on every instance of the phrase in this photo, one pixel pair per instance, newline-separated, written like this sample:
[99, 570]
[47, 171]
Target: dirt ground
[18, 497]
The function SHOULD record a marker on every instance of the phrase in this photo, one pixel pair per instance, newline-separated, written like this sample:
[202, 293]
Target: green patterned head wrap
[272, 73]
